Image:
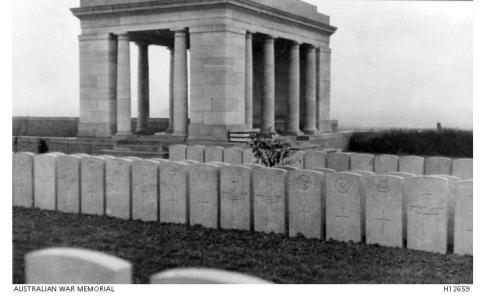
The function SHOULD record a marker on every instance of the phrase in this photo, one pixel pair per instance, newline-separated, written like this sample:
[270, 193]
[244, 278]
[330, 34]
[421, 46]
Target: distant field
[446, 142]
[153, 247]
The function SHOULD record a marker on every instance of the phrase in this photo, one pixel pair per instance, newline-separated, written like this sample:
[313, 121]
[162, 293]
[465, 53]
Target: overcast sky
[394, 63]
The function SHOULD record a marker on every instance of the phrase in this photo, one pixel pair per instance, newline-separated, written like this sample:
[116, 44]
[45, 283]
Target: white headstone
[305, 203]
[269, 200]
[196, 153]
[427, 213]
[386, 163]
[463, 168]
[118, 188]
[45, 188]
[75, 266]
[325, 171]
[235, 197]
[451, 203]
[437, 166]
[173, 193]
[343, 207]
[248, 156]
[177, 152]
[401, 174]
[314, 159]
[68, 183]
[22, 180]
[411, 164]
[296, 160]
[214, 153]
[203, 276]
[362, 161]
[463, 219]
[92, 189]
[145, 190]
[339, 161]
[204, 195]
[364, 176]
[384, 210]
[233, 155]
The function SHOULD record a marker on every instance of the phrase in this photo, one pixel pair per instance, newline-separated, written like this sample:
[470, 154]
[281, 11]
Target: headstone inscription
[343, 207]
[118, 188]
[235, 198]
[45, 191]
[427, 213]
[204, 195]
[384, 210]
[145, 190]
[92, 185]
[305, 203]
[174, 193]
[68, 183]
[269, 200]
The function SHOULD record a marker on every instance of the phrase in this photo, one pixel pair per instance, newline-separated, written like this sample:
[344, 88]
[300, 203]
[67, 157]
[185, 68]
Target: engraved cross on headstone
[204, 204]
[304, 211]
[383, 219]
[342, 215]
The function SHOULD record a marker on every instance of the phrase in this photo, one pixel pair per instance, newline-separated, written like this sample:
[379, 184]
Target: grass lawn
[154, 247]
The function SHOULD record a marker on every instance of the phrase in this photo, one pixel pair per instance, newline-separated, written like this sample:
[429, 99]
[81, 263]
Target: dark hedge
[446, 142]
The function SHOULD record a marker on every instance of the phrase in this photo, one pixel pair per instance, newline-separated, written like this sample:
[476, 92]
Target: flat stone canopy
[254, 65]
[295, 7]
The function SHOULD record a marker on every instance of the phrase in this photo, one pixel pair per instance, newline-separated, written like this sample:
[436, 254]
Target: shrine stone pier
[254, 64]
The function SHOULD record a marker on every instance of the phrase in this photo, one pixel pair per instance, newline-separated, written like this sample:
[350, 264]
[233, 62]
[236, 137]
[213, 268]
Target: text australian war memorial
[235, 65]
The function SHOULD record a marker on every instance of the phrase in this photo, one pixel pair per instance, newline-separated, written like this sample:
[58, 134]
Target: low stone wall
[66, 127]
[65, 145]
[397, 209]
[461, 168]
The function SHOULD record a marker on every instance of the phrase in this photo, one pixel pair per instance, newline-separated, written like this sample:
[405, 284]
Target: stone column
[268, 97]
[324, 107]
[171, 92]
[310, 98]
[124, 126]
[143, 89]
[293, 110]
[249, 82]
[180, 84]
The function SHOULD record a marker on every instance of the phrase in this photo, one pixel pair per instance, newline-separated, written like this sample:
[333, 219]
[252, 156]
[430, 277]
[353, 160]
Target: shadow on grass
[154, 247]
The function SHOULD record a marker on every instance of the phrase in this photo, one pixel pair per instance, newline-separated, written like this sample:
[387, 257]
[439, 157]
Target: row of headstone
[201, 154]
[345, 206]
[339, 161]
[79, 266]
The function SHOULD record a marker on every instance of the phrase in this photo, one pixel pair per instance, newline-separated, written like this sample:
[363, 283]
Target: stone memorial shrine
[234, 66]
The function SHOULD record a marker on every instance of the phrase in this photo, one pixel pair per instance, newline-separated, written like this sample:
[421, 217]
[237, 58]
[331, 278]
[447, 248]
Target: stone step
[141, 154]
[141, 148]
